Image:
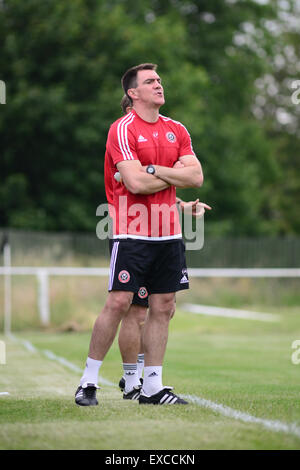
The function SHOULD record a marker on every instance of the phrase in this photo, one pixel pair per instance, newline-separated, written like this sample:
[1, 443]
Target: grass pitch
[242, 364]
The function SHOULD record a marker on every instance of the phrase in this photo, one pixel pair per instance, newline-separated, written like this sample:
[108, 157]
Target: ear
[132, 93]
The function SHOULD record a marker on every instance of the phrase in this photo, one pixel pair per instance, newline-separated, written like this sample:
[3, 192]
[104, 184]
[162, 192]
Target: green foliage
[62, 62]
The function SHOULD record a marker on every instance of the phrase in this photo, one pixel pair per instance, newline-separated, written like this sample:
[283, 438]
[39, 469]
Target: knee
[119, 302]
[170, 309]
[166, 309]
[173, 311]
[136, 315]
[141, 315]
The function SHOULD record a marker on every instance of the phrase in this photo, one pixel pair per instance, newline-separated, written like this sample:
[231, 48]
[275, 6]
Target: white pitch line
[53, 357]
[4, 393]
[230, 313]
[271, 425]
[29, 346]
[61, 360]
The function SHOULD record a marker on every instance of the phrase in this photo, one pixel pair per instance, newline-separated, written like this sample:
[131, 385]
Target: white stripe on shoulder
[131, 157]
[165, 118]
[119, 135]
[126, 120]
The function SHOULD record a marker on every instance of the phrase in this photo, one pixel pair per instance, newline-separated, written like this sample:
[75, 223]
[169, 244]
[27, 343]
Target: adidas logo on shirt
[142, 139]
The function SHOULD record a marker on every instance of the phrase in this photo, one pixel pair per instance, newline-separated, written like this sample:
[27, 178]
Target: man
[130, 333]
[131, 327]
[148, 250]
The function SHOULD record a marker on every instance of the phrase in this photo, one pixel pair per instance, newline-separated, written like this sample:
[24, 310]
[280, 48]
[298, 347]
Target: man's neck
[147, 114]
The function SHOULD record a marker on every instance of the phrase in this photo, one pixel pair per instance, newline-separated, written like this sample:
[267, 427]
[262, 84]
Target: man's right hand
[195, 208]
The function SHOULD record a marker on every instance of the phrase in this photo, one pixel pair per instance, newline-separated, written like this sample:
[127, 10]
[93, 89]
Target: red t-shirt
[152, 216]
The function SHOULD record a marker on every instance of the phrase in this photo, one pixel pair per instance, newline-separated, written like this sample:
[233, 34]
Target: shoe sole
[82, 404]
[143, 403]
[158, 403]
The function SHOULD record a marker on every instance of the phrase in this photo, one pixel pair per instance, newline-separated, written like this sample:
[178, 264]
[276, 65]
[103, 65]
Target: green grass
[245, 365]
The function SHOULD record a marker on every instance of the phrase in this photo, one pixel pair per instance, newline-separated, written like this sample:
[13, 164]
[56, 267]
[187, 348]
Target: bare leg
[155, 334]
[130, 333]
[106, 325]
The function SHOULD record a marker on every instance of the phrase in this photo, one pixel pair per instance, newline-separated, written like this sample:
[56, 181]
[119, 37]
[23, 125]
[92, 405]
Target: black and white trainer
[86, 395]
[164, 397]
[122, 383]
[134, 394]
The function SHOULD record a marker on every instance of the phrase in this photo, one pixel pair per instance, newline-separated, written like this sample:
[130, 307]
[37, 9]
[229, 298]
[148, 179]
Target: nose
[157, 84]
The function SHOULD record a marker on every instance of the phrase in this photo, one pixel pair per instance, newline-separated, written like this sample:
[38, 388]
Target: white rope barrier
[193, 272]
[43, 274]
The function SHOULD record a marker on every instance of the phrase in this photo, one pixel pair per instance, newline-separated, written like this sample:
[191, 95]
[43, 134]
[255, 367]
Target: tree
[62, 62]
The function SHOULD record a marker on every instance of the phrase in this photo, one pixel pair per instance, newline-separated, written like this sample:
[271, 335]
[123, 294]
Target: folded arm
[137, 181]
[188, 176]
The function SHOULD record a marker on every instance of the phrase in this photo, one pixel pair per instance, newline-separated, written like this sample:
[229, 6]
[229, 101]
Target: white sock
[152, 380]
[140, 364]
[131, 376]
[90, 374]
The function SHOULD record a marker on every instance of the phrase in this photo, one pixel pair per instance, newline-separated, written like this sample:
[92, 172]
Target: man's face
[149, 90]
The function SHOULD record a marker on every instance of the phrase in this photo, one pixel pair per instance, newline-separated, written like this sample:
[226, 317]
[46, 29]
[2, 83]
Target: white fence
[43, 274]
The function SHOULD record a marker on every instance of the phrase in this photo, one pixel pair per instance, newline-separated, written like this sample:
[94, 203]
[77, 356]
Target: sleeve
[186, 147]
[121, 143]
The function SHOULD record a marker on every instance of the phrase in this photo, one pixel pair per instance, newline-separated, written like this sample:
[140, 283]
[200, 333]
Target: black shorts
[146, 267]
[139, 298]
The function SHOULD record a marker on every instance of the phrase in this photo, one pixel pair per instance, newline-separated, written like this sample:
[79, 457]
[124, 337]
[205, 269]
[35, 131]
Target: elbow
[137, 190]
[199, 180]
[134, 187]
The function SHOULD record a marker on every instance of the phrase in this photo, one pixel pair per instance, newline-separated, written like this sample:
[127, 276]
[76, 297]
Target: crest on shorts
[142, 293]
[171, 137]
[124, 276]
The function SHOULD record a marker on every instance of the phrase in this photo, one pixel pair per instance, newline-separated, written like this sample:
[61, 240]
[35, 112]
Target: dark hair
[125, 103]
[129, 78]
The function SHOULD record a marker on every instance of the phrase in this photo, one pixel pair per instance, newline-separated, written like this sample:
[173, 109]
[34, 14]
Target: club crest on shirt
[142, 293]
[124, 276]
[171, 137]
